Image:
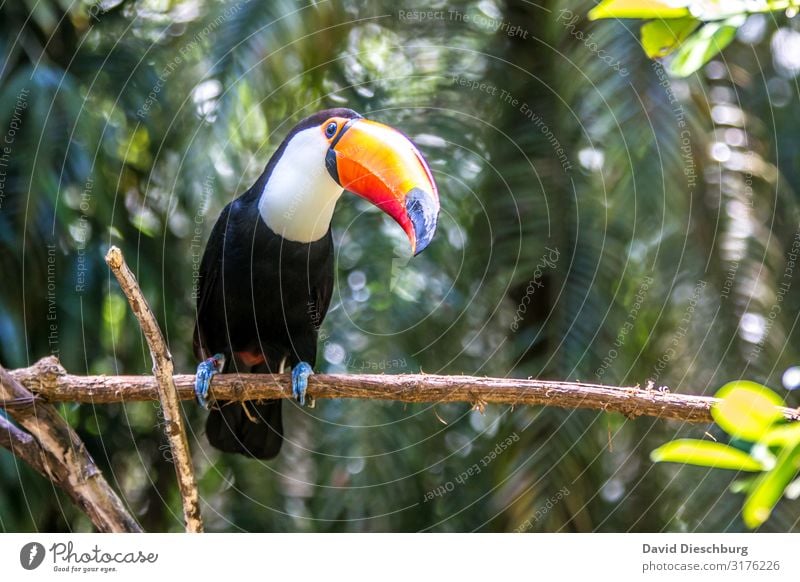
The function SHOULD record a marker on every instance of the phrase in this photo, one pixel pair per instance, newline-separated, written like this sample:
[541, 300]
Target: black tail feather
[230, 429]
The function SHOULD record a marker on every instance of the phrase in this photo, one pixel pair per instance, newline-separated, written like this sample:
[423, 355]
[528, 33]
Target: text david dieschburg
[694, 549]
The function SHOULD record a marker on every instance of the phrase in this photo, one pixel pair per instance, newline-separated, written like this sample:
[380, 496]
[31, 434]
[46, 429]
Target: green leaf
[634, 9]
[769, 488]
[746, 410]
[744, 485]
[698, 49]
[785, 435]
[661, 37]
[706, 454]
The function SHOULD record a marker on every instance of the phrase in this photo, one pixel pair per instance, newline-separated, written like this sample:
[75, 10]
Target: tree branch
[167, 393]
[48, 380]
[55, 450]
[24, 446]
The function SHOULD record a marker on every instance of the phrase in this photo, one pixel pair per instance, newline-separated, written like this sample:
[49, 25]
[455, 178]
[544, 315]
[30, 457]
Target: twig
[630, 401]
[167, 393]
[56, 451]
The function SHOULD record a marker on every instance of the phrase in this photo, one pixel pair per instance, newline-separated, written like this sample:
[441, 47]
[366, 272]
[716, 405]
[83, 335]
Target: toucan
[266, 277]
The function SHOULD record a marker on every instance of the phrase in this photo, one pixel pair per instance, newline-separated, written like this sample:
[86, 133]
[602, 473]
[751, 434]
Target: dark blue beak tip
[423, 211]
[422, 244]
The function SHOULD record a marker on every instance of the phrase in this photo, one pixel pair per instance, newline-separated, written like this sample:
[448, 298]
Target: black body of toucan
[266, 276]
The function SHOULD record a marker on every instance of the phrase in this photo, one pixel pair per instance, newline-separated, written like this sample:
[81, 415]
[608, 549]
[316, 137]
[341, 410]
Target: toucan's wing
[324, 290]
[209, 279]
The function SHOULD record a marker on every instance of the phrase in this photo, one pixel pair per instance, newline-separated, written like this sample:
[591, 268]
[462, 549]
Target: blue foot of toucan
[205, 371]
[300, 374]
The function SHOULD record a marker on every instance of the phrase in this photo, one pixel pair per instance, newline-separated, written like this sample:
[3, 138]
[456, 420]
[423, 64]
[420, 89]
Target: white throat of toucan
[300, 195]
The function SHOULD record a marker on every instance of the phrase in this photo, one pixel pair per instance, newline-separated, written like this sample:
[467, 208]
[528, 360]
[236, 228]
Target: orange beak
[381, 165]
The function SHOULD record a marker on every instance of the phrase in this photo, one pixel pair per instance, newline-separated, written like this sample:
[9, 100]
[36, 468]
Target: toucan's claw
[300, 374]
[205, 371]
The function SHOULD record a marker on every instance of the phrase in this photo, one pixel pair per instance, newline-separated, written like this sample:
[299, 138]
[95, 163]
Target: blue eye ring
[330, 130]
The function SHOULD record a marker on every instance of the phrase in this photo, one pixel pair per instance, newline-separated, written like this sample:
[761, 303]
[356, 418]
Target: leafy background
[659, 251]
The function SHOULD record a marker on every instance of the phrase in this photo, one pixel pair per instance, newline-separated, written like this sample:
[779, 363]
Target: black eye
[330, 131]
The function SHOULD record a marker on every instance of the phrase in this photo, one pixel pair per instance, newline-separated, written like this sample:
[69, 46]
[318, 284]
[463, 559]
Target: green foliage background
[619, 228]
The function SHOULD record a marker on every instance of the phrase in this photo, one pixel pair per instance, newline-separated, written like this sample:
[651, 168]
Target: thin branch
[167, 393]
[24, 446]
[48, 380]
[62, 457]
